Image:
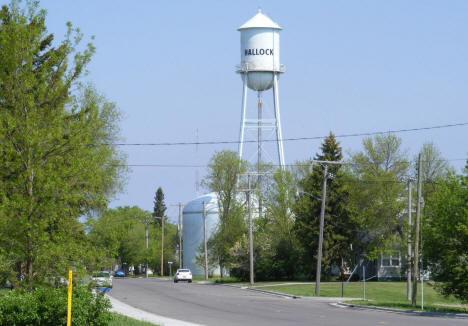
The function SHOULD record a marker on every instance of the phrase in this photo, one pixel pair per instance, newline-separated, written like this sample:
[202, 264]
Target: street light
[298, 192]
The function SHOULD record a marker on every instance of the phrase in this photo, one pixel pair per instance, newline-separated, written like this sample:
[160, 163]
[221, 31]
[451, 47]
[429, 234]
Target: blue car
[119, 273]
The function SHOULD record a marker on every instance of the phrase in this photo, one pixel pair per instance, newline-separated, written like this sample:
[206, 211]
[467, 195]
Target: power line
[273, 165]
[374, 133]
[162, 165]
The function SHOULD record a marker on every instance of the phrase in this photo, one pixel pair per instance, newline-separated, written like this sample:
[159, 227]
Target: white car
[103, 279]
[183, 275]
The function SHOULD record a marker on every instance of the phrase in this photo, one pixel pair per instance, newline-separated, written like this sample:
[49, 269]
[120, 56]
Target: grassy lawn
[121, 320]
[384, 294]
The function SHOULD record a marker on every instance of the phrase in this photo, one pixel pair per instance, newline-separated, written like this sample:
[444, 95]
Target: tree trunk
[29, 248]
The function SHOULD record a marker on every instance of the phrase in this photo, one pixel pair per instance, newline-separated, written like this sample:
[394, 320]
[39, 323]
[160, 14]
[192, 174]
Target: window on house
[385, 260]
[396, 260]
[390, 260]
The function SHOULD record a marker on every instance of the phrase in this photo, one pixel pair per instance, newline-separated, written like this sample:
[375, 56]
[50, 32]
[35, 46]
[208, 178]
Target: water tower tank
[260, 51]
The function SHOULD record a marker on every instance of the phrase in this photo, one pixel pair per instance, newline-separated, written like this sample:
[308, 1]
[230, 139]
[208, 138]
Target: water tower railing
[245, 67]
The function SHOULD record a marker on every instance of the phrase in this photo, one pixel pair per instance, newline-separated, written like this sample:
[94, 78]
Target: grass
[121, 320]
[4, 291]
[431, 307]
[382, 294]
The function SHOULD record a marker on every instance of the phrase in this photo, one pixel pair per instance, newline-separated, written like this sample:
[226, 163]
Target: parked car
[119, 273]
[103, 279]
[183, 275]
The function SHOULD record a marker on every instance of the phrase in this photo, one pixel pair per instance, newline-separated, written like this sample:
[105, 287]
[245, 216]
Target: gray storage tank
[192, 230]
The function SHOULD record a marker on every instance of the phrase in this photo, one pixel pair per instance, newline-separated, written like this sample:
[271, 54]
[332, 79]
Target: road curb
[399, 311]
[284, 295]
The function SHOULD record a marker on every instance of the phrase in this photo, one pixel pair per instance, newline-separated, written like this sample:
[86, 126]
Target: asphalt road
[217, 305]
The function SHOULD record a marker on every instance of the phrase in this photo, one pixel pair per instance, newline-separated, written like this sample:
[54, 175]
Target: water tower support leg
[243, 109]
[279, 135]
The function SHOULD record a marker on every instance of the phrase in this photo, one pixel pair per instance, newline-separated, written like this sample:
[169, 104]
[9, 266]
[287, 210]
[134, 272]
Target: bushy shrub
[18, 309]
[48, 307]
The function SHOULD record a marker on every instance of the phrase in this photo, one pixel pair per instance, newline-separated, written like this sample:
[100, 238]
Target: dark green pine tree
[159, 209]
[339, 231]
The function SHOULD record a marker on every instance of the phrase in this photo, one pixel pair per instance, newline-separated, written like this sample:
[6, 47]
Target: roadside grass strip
[378, 294]
[433, 307]
[121, 320]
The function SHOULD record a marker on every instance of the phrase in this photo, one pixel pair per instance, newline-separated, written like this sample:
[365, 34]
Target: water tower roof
[259, 21]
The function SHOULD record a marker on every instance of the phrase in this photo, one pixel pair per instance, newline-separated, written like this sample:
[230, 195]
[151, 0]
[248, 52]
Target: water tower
[260, 69]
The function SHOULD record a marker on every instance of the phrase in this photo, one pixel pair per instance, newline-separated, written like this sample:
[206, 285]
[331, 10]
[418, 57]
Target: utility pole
[250, 234]
[408, 252]
[249, 207]
[416, 236]
[180, 229]
[162, 245]
[322, 221]
[204, 241]
[146, 240]
[259, 149]
[180, 235]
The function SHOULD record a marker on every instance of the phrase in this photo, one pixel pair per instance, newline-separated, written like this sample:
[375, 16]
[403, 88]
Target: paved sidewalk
[138, 314]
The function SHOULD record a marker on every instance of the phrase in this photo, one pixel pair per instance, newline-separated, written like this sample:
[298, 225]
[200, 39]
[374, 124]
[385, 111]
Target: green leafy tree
[339, 229]
[434, 165]
[445, 232]
[376, 191]
[224, 171]
[54, 137]
[119, 233]
[276, 253]
[114, 232]
[434, 168]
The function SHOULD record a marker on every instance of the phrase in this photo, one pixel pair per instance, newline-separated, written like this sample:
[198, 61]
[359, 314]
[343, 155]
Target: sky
[351, 67]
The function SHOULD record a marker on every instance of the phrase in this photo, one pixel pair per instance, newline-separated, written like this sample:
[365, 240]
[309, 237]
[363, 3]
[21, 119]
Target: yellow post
[70, 287]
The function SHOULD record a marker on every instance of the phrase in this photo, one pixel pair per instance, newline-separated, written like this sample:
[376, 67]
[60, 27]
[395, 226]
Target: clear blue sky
[352, 66]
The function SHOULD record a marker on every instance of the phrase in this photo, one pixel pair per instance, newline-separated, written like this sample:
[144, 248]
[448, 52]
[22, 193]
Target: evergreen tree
[339, 230]
[159, 209]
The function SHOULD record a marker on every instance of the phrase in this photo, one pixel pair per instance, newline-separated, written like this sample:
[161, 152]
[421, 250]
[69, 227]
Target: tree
[111, 231]
[339, 229]
[224, 171]
[119, 234]
[446, 235]
[55, 138]
[159, 205]
[376, 188]
[276, 253]
[434, 167]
